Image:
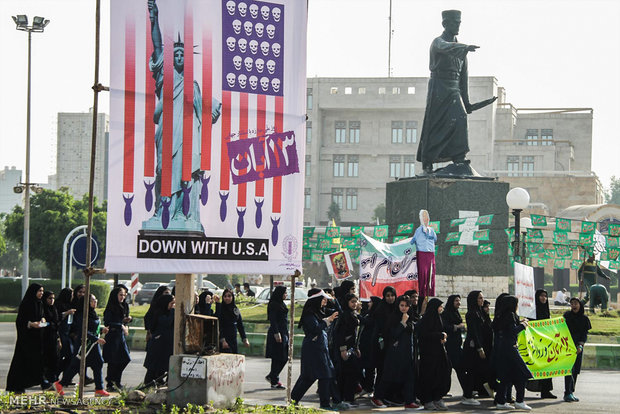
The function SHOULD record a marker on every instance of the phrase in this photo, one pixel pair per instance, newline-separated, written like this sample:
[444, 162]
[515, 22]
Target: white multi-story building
[364, 132]
[9, 178]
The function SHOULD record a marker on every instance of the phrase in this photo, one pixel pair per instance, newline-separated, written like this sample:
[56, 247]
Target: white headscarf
[424, 226]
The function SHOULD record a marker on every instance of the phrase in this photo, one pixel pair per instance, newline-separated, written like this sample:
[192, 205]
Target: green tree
[53, 214]
[613, 193]
[334, 212]
[379, 213]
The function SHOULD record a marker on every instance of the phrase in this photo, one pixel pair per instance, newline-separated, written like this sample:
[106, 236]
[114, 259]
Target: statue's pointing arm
[155, 32]
[452, 48]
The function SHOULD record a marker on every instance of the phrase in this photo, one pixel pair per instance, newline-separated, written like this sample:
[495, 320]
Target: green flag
[380, 232]
[542, 262]
[481, 235]
[306, 254]
[485, 248]
[558, 263]
[550, 253]
[604, 256]
[562, 224]
[484, 220]
[457, 250]
[323, 244]
[308, 232]
[613, 253]
[614, 229]
[348, 242]
[454, 236]
[538, 221]
[588, 226]
[356, 230]
[547, 348]
[586, 239]
[332, 232]
[399, 238]
[435, 226]
[563, 251]
[560, 237]
[614, 264]
[457, 222]
[535, 247]
[534, 234]
[575, 264]
[613, 241]
[406, 228]
[317, 256]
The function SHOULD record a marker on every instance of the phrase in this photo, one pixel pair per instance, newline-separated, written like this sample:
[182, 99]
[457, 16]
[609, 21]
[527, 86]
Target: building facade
[73, 154]
[9, 178]
[363, 132]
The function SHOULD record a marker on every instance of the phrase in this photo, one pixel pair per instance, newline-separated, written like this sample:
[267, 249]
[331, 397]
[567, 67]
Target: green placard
[560, 237]
[457, 222]
[604, 256]
[613, 241]
[454, 236]
[542, 262]
[380, 232]
[614, 229]
[613, 253]
[586, 239]
[457, 250]
[332, 232]
[308, 232]
[558, 263]
[435, 225]
[317, 256]
[614, 264]
[306, 254]
[485, 248]
[535, 247]
[356, 230]
[481, 235]
[348, 242]
[484, 220]
[399, 238]
[575, 264]
[563, 251]
[406, 228]
[588, 226]
[562, 224]
[323, 244]
[534, 234]
[307, 243]
[550, 253]
[538, 221]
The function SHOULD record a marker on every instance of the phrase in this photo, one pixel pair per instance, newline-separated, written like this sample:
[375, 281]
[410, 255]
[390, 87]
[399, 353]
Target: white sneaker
[470, 401]
[522, 406]
[504, 406]
[440, 405]
[430, 406]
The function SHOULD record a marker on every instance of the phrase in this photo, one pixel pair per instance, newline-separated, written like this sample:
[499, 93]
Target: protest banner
[383, 264]
[339, 264]
[524, 290]
[207, 127]
[547, 348]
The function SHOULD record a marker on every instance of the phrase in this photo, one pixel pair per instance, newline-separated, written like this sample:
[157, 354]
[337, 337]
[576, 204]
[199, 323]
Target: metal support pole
[517, 242]
[390, 43]
[26, 253]
[291, 335]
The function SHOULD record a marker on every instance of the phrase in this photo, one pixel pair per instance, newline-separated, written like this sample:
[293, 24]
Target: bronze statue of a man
[444, 131]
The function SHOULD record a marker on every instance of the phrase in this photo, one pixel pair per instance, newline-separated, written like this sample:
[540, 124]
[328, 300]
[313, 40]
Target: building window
[395, 166]
[308, 131]
[395, 90]
[348, 90]
[409, 166]
[308, 165]
[333, 90]
[528, 166]
[382, 91]
[512, 165]
[353, 165]
[351, 198]
[309, 98]
[307, 198]
[411, 135]
[397, 132]
[354, 132]
[337, 197]
[341, 132]
[338, 165]
[411, 90]
[361, 91]
[531, 137]
[546, 137]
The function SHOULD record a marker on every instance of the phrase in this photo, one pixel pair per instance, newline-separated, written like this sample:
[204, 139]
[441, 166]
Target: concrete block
[216, 379]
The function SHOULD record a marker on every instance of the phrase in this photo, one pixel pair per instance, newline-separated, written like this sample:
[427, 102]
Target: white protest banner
[339, 264]
[207, 126]
[524, 290]
[383, 264]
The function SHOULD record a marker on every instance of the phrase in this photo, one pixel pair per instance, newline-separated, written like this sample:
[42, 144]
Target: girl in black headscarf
[161, 345]
[78, 292]
[454, 328]
[230, 322]
[65, 313]
[148, 316]
[205, 300]
[50, 338]
[578, 325]
[510, 366]
[346, 287]
[435, 366]
[368, 322]
[386, 308]
[474, 357]
[542, 312]
[277, 335]
[27, 364]
[347, 348]
[115, 350]
[315, 361]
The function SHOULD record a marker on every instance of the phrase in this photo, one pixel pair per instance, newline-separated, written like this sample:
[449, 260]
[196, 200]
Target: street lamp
[38, 26]
[517, 200]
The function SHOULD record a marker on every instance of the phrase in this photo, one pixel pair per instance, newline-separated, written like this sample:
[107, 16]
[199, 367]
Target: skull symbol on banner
[260, 65]
[276, 49]
[253, 82]
[260, 29]
[247, 26]
[237, 26]
[271, 66]
[237, 62]
[275, 85]
[271, 31]
[264, 11]
[230, 43]
[264, 83]
[243, 9]
[254, 11]
[243, 80]
[230, 79]
[276, 13]
[264, 47]
[248, 63]
[230, 6]
[243, 45]
[253, 46]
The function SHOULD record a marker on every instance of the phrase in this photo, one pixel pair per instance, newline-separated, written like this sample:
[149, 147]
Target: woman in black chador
[65, 313]
[205, 300]
[50, 338]
[542, 312]
[435, 366]
[115, 350]
[509, 365]
[384, 311]
[230, 322]
[454, 328]
[474, 358]
[161, 345]
[578, 325]
[367, 327]
[347, 347]
[277, 336]
[27, 364]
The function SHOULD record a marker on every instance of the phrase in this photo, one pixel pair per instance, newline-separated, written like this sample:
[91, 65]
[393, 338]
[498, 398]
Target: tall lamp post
[517, 200]
[38, 26]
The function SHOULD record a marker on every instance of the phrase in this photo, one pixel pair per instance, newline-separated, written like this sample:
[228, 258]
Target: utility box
[201, 335]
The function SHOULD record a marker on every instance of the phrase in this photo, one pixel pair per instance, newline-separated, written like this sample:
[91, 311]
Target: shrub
[11, 291]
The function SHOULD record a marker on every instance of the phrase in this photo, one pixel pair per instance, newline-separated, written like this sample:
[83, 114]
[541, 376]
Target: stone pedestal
[216, 379]
[447, 199]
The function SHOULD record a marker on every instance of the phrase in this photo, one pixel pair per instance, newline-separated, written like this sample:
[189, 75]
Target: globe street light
[517, 200]
[38, 25]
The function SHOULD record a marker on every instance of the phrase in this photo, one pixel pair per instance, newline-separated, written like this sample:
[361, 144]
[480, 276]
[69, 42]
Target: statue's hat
[451, 15]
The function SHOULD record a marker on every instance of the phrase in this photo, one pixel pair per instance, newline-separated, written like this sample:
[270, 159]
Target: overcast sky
[545, 53]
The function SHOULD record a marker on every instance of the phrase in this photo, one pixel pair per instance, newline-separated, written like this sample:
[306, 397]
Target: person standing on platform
[277, 336]
[115, 350]
[542, 312]
[578, 326]
[424, 240]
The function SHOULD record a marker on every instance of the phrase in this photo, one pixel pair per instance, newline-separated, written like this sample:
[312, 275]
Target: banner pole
[291, 335]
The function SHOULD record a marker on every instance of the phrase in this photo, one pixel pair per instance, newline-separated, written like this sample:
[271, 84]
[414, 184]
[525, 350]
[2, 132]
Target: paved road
[598, 390]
